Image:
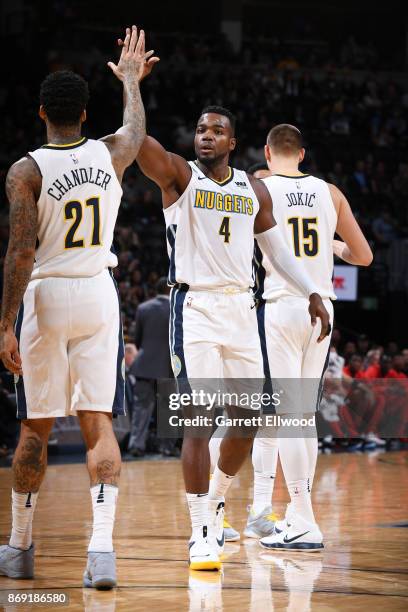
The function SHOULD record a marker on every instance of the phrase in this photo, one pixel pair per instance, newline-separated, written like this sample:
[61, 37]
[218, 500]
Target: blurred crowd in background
[353, 119]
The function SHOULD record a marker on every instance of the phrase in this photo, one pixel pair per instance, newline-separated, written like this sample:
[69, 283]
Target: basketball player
[211, 212]
[67, 349]
[308, 212]
[319, 210]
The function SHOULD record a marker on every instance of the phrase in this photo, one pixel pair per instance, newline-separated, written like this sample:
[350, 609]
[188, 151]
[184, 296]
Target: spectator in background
[363, 344]
[355, 367]
[360, 180]
[391, 348]
[350, 349]
[397, 369]
[336, 338]
[372, 364]
[383, 228]
[336, 363]
[152, 363]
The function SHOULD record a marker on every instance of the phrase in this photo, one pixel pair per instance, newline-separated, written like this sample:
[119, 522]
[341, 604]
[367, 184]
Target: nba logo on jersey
[74, 158]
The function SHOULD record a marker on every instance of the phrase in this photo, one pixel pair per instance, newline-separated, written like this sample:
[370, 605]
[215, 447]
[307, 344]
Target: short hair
[64, 96]
[162, 286]
[285, 139]
[258, 166]
[220, 110]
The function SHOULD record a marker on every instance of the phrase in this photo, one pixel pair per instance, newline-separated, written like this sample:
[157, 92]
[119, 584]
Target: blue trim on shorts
[260, 314]
[19, 382]
[259, 272]
[267, 386]
[177, 298]
[171, 238]
[118, 406]
[321, 383]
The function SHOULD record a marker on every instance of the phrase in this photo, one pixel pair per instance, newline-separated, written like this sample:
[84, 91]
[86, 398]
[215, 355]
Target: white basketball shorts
[214, 335]
[71, 345]
[291, 351]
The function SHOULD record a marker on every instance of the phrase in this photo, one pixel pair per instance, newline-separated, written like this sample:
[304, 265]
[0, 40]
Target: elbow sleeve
[273, 246]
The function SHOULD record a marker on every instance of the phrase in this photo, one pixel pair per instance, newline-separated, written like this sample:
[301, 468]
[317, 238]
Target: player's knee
[95, 425]
[36, 429]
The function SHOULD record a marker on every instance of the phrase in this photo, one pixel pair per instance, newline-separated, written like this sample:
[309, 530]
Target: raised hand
[132, 58]
[148, 61]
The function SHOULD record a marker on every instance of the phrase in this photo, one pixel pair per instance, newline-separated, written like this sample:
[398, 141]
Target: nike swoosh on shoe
[221, 542]
[288, 540]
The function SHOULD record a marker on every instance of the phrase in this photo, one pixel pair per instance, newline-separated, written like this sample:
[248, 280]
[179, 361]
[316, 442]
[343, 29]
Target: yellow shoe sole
[205, 565]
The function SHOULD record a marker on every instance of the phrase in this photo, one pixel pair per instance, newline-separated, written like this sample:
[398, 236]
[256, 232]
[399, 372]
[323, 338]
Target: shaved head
[285, 139]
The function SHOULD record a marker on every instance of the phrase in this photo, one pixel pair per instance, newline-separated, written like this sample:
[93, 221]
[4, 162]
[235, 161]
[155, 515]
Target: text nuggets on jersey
[224, 202]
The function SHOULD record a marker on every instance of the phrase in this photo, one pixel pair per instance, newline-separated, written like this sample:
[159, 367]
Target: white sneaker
[284, 524]
[216, 535]
[260, 525]
[230, 534]
[301, 535]
[201, 554]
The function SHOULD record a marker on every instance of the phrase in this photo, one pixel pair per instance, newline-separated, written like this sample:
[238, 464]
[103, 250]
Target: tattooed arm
[124, 145]
[23, 187]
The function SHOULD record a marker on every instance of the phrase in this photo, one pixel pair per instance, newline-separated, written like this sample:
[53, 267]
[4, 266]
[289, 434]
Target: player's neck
[218, 171]
[285, 166]
[63, 135]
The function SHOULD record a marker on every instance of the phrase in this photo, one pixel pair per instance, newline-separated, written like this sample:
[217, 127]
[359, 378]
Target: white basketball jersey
[77, 209]
[303, 209]
[210, 232]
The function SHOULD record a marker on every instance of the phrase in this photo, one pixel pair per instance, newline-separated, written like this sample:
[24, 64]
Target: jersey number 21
[75, 211]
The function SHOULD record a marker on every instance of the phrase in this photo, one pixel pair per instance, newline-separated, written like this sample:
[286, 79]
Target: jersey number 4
[225, 229]
[305, 236]
[74, 211]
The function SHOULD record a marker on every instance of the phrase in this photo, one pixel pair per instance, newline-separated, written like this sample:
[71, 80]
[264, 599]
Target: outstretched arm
[355, 248]
[23, 187]
[168, 170]
[125, 143]
[272, 244]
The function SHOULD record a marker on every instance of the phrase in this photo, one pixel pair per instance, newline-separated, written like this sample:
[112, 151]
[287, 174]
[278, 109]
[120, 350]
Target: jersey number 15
[305, 236]
[74, 211]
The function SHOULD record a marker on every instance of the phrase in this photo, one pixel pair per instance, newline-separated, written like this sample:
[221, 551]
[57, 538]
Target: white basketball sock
[312, 448]
[264, 461]
[23, 506]
[214, 447]
[198, 507]
[104, 498]
[219, 484]
[295, 464]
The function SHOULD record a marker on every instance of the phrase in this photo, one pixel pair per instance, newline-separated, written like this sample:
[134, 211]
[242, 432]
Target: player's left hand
[9, 351]
[317, 310]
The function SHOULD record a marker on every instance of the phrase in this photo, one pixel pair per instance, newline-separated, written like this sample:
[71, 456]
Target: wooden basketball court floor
[361, 505]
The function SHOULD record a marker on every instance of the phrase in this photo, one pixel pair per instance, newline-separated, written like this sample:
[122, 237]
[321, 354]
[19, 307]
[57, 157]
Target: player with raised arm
[66, 349]
[211, 212]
